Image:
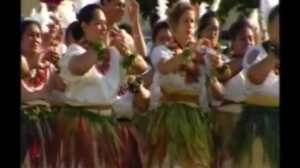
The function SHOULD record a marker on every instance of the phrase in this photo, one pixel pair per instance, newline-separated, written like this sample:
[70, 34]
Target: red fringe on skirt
[80, 142]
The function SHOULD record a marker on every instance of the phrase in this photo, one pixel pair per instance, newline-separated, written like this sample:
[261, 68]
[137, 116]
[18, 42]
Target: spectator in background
[226, 115]
[153, 18]
[161, 35]
[52, 4]
[127, 28]
[260, 147]
[114, 11]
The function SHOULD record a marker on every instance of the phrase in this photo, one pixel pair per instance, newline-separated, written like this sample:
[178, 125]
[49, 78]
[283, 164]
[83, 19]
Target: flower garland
[104, 58]
[38, 77]
[99, 48]
[190, 69]
[129, 61]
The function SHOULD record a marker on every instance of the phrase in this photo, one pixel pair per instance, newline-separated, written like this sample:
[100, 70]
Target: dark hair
[177, 11]
[126, 27]
[159, 26]
[68, 30]
[26, 23]
[237, 26]
[204, 21]
[153, 18]
[86, 14]
[104, 1]
[75, 30]
[273, 13]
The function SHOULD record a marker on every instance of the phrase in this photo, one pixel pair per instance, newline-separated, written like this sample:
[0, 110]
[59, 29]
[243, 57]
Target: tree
[147, 6]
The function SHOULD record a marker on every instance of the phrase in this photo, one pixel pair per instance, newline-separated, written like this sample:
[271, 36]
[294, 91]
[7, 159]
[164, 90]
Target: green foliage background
[148, 5]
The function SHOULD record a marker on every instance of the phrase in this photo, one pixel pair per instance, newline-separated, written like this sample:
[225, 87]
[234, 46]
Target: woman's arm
[258, 72]
[166, 66]
[219, 69]
[141, 100]
[140, 66]
[139, 41]
[138, 37]
[79, 65]
[216, 89]
[147, 77]
[235, 66]
[56, 83]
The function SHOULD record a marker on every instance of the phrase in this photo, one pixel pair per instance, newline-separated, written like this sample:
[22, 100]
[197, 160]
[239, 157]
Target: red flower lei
[40, 78]
[105, 65]
[191, 69]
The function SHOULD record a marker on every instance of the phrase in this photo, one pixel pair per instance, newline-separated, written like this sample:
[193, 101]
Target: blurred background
[228, 10]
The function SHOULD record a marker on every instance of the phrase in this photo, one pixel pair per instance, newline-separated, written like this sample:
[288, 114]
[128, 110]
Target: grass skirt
[89, 140]
[257, 134]
[131, 155]
[178, 135]
[224, 124]
[37, 129]
[85, 139]
[141, 122]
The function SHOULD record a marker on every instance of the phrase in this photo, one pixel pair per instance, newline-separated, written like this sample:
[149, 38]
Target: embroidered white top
[123, 106]
[271, 84]
[93, 88]
[235, 88]
[176, 80]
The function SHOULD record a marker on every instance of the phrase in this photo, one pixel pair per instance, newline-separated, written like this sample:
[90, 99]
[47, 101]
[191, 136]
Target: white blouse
[155, 92]
[93, 88]
[235, 88]
[123, 105]
[271, 85]
[176, 80]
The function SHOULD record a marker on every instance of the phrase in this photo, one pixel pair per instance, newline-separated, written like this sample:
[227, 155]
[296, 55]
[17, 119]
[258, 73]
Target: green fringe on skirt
[141, 122]
[257, 122]
[180, 132]
[30, 118]
[78, 129]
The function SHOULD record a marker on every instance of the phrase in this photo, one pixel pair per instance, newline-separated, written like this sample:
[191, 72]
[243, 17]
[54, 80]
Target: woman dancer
[37, 85]
[256, 138]
[133, 100]
[93, 74]
[209, 27]
[226, 115]
[179, 133]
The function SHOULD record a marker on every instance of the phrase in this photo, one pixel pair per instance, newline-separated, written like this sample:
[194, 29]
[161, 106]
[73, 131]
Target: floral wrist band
[223, 72]
[274, 49]
[129, 61]
[222, 69]
[134, 84]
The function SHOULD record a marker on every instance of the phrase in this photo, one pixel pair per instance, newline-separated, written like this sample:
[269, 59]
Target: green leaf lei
[98, 46]
[129, 61]
[186, 54]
